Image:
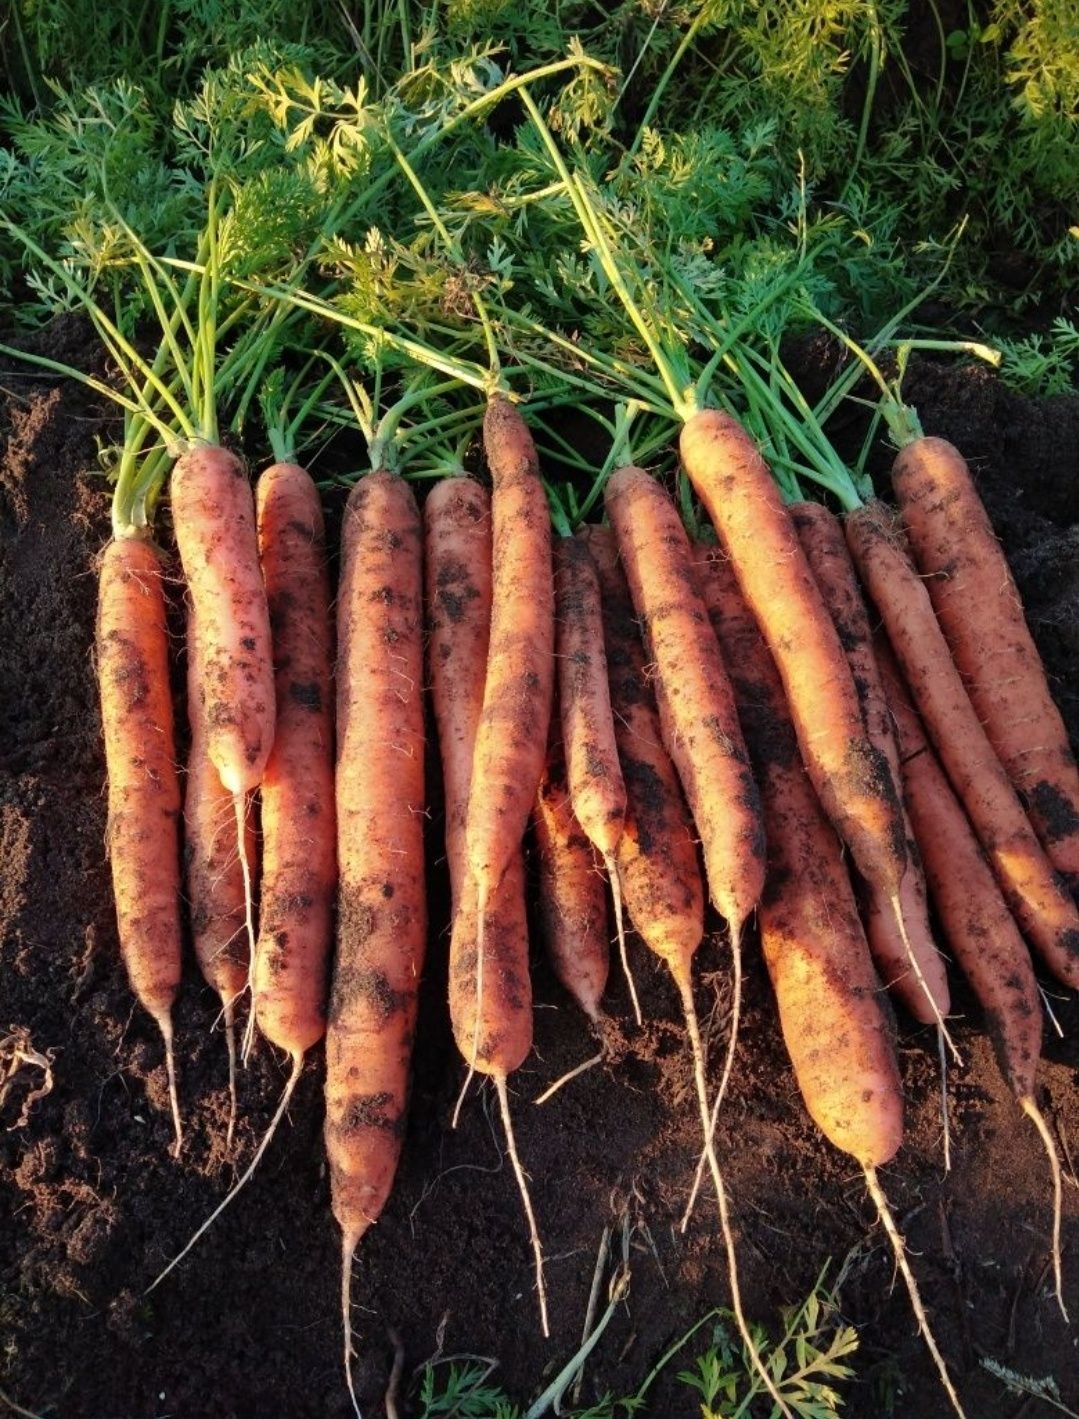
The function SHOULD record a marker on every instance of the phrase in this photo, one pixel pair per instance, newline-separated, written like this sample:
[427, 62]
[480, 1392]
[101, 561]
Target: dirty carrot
[597, 791]
[978, 606]
[382, 911]
[144, 791]
[918, 978]
[1036, 895]
[976, 922]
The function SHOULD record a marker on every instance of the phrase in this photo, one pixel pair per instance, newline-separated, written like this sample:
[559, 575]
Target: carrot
[457, 569]
[382, 912]
[976, 922]
[849, 773]
[918, 978]
[700, 730]
[977, 604]
[837, 1034]
[213, 513]
[299, 852]
[144, 790]
[572, 900]
[1041, 903]
[215, 883]
[597, 791]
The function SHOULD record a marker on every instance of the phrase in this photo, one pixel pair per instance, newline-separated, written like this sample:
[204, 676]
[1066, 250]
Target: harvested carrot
[978, 606]
[918, 978]
[837, 1033]
[597, 791]
[976, 922]
[382, 911]
[457, 570]
[144, 790]
[850, 775]
[214, 877]
[572, 899]
[1037, 896]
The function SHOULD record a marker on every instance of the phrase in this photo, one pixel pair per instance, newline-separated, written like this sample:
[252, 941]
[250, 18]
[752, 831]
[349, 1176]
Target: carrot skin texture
[978, 606]
[850, 776]
[693, 692]
[572, 895]
[299, 876]
[1036, 895]
[975, 917]
[213, 512]
[382, 912]
[214, 876]
[837, 1035]
[821, 535]
[457, 571]
[140, 760]
[656, 855]
[511, 740]
[596, 787]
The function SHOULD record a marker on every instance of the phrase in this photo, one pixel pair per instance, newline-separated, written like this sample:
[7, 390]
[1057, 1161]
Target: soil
[94, 1205]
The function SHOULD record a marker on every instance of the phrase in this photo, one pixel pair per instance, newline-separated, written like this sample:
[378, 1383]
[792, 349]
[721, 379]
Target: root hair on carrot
[1038, 1119]
[164, 1024]
[919, 976]
[620, 927]
[349, 1242]
[522, 1183]
[577, 1069]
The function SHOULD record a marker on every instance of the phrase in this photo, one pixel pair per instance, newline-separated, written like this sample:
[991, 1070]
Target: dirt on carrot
[95, 1207]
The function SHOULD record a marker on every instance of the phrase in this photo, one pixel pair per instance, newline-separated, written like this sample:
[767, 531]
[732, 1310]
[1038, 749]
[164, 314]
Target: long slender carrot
[918, 978]
[1036, 895]
[976, 922]
[382, 913]
[850, 775]
[597, 791]
[144, 790]
[572, 897]
[457, 570]
[213, 872]
[837, 1033]
[701, 733]
[979, 609]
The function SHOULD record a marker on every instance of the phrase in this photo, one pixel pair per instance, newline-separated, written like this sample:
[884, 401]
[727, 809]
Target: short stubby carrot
[1036, 894]
[213, 512]
[382, 911]
[979, 609]
[851, 776]
[457, 574]
[144, 789]
[299, 848]
[572, 897]
[511, 739]
[917, 977]
[693, 692]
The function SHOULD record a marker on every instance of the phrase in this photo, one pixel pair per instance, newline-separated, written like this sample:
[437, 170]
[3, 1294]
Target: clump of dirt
[249, 1324]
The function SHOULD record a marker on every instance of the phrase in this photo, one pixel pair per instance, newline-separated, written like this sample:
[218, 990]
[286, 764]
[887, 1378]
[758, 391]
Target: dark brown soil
[93, 1205]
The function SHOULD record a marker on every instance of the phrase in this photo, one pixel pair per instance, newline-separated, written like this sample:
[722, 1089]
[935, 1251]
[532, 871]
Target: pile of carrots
[631, 693]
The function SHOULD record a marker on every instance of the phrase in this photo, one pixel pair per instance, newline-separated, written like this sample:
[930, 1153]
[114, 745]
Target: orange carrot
[918, 978]
[830, 1004]
[382, 912]
[976, 921]
[215, 883]
[572, 900]
[299, 877]
[144, 791]
[1036, 895]
[457, 569]
[850, 775]
[597, 791]
[979, 610]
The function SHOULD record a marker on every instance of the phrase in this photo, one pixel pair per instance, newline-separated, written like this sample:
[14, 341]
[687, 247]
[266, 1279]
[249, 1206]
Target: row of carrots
[631, 693]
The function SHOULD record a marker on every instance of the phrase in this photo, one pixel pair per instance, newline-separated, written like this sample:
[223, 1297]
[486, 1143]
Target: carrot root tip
[1034, 1113]
[522, 1183]
[620, 928]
